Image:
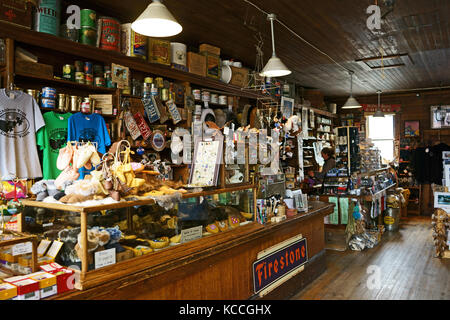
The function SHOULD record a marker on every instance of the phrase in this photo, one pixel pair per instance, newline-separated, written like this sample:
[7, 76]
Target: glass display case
[109, 238]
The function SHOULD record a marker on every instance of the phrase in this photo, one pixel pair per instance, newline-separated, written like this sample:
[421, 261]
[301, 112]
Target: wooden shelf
[323, 113]
[53, 43]
[66, 83]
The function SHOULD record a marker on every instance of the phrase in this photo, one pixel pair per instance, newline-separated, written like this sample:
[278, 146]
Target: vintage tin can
[109, 34]
[75, 103]
[98, 70]
[164, 94]
[99, 82]
[49, 93]
[154, 90]
[159, 82]
[63, 101]
[48, 103]
[34, 93]
[178, 53]
[88, 36]
[88, 18]
[70, 34]
[223, 100]
[89, 79]
[80, 78]
[147, 88]
[133, 44]
[69, 72]
[88, 68]
[47, 17]
[79, 66]
[206, 96]
[197, 94]
[159, 51]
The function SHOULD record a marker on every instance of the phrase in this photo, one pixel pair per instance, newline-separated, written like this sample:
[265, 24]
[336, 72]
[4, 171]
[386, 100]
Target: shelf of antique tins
[57, 44]
[200, 269]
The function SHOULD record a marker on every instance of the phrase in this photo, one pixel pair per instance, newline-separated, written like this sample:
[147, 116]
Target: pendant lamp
[156, 21]
[379, 113]
[274, 67]
[351, 102]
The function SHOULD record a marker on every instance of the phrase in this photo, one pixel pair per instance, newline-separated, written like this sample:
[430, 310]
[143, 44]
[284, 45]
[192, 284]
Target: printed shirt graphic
[51, 139]
[84, 128]
[20, 119]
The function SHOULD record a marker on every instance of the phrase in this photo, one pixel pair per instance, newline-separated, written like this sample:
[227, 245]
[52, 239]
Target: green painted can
[48, 16]
[88, 18]
[88, 35]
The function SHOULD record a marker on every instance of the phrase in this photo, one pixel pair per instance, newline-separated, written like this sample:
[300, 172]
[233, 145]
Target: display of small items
[89, 74]
[370, 157]
[348, 159]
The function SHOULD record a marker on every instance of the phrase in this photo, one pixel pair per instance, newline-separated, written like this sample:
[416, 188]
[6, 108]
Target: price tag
[191, 234]
[43, 246]
[22, 248]
[54, 249]
[105, 258]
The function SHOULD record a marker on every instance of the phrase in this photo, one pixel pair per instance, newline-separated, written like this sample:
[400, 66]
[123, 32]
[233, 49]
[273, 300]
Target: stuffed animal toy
[43, 189]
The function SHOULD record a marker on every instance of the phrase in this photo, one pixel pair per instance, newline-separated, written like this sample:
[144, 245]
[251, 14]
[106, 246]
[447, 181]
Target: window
[381, 131]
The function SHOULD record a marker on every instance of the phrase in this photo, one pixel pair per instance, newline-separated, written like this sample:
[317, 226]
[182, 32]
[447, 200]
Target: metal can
[147, 88]
[88, 18]
[98, 70]
[206, 96]
[79, 66]
[69, 72]
[214, 98]
[34, 94]
[223, 100]
[148, 80]
[99, 81]
[49, 93]
[89, 79]
[88, 68]
[164, 94]
[86, 106]
[75, 103]
[63, 100]
[110, 34]
[47, 17]
[80, 78]
[197, 94]
[48, 103]
[88, 35]
[159, 82]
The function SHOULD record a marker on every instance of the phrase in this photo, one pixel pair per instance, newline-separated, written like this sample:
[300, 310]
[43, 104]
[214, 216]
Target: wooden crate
[34, 69]
[18, 12]
[239, 76]
[196, 63]
[207, 48]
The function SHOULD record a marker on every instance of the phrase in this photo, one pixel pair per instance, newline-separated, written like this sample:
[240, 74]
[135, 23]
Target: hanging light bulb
[351, 102]
[379, 113]
[156, 21]
[274, 67]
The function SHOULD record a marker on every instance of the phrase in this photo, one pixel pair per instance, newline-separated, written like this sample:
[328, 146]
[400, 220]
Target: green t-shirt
[51, 139]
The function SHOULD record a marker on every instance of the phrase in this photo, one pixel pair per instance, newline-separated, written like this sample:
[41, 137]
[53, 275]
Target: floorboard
[406, 267]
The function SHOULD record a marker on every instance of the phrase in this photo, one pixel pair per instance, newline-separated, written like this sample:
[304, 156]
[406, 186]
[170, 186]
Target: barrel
[392, 219]
[109, 34]
[47, 17]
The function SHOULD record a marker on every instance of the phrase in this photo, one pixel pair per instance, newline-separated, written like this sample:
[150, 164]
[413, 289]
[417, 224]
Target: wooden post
[34, 257]
[84, 244]
[9, 57]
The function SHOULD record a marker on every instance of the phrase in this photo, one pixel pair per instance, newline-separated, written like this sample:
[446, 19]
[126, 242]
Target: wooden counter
[217, 267]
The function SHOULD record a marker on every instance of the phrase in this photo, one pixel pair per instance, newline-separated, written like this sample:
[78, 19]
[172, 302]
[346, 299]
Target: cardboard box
[27, 289]
[207, 48]
[17, 12]
[47, 283]
[7, 291]
[103, 102]
[213, 66]
[34, 69]
[62, 274]
[196, 64]
[239, 76]
[159, 51]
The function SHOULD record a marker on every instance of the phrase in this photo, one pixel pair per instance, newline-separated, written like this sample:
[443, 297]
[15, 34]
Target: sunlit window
[381, 131]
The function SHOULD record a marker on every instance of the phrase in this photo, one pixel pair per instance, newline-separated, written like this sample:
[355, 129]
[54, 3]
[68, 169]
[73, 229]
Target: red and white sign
[384, 107]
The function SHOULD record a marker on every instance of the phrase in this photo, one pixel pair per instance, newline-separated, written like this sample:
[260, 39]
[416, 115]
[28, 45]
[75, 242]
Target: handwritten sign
[105, 258]
[191, 234]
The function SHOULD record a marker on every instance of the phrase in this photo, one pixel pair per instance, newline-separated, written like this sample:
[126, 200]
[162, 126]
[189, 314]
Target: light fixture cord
[273, 38]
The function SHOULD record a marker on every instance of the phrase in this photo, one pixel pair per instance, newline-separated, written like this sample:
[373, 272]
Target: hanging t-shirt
[51, 139]
[20, 119]
[89, 127]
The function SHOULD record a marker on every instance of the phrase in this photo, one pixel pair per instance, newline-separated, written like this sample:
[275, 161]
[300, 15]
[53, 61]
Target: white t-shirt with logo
[20, 119]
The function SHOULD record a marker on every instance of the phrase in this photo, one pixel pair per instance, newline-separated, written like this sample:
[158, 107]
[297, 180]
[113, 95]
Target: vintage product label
[110, 34]
[151, 109]
[131, 125]
[133, 44]
[176, 116]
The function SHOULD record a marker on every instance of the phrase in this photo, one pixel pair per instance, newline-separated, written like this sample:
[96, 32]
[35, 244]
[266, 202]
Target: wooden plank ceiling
[419, 28]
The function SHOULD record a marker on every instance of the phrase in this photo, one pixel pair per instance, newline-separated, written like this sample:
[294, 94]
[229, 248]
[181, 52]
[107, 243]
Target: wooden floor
[406, 266]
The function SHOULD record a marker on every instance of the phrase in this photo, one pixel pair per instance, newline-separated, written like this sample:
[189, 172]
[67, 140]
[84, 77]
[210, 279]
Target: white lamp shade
[275, 68]
[156, 21]
[351, 104]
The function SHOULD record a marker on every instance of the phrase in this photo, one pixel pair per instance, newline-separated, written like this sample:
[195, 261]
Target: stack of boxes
[53, 279]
